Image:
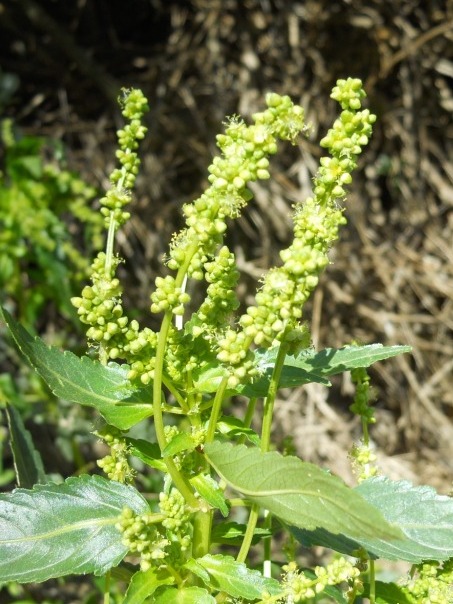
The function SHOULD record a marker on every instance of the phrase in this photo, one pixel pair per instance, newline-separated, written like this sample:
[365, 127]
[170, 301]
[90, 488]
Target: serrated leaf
[424, 517]
[208, 488]
[83, 380]
[188, 595]
[56, 530]
[310, 366]
[298, 493]
[27, 460]
[224, 573]
[148, 452]
[143, 585]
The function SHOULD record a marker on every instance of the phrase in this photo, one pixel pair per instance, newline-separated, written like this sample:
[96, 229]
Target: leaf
[181, 442]
[148, 452]
[208, 488]
[143, 585]
[188, 595]
[310, 366]
[83, 380]
[424, 517]
[389, 593]
[56, 530]
[233, 426]
[223, 573]
[298, 493]
[27, 460]
[232, 533]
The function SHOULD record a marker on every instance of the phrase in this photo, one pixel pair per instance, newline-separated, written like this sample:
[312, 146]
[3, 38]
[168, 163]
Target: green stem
[178, 479]
[372, 576]
[181, 483]
[247, 541]
[216, 408]
[270, 399]
[250, 412]
[265, 443]
[109, 245]
[107, 587]
[201, 540]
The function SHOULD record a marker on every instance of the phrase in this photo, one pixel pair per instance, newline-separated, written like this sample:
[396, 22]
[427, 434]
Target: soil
[391, 277]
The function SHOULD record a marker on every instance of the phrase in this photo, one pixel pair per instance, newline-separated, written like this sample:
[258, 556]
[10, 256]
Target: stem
[265, 443]
[178, 479]
[201, 533]
[247, 541]
[372, 582]
[109, 245]
[215, 412]
[107, 587]
[181, 483]
[248, 418]
[270, 399]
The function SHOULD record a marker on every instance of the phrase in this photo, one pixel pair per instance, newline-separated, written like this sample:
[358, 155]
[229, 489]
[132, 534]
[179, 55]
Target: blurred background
[62, 65]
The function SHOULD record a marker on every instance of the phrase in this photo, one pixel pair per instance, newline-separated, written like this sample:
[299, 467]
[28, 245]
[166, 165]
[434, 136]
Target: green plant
[217, 469]
[40, 263]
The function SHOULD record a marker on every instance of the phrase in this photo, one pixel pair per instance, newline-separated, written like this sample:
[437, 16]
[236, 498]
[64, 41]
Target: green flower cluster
[122, 179]
[173, 507]
[245, 150]
[299, 587]
[363, 395]
[100, 307]
[141, 536]
[222, 276]
[278, 310]
[432, 583]
[116, 464]
[363, 461]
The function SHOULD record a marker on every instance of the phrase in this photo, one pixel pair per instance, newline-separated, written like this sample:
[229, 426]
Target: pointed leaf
[83, 380]
[148, 452]
[223, 573]
[233, 426]
[27, 460]
[424, 517]
[232, 533]
[188, 595]
[55, 530]
[143, 585]
[310, 366]
[181, 442]
[208, 488]
[299, 493]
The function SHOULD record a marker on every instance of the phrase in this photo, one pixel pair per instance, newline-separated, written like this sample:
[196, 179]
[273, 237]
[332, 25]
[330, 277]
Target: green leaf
[223, 573]
[188, 595]
[55, 530]
[310, 366]
[148, 452]
[181, 442]
[27, 460]
[233, 426]
[143, 585]
[208, 488]
[83, 380]
[389, 593]
[424, 517]
[299, 493]
[232, 533]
